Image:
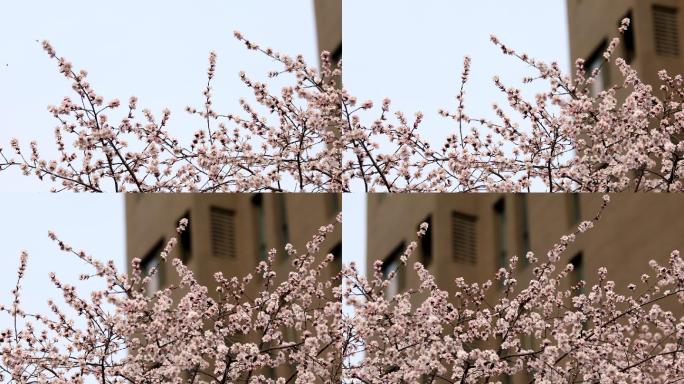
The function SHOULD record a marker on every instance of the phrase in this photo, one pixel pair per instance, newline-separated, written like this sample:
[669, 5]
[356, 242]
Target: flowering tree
[311, 136]
[247, 328]
[534, 328]
[292, 328]
[251, 155]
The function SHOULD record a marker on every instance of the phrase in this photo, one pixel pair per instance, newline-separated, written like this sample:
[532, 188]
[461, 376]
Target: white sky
[155, 50]
[412, 52]
[94, 223]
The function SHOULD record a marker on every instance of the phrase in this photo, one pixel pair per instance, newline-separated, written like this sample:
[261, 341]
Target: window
[149, 263]
[222, 232]
[393, 263]
[336, 56]
[500, 232]
[577, 276]
[574, 209]
[463, 238]
[260, 222]
[282, 219]
[426, 243]
[628, 41]
[578, 270]
[185, 241]
[665, 30]
[524, 241]
[595, 61]
[337, 257]
[334, 203]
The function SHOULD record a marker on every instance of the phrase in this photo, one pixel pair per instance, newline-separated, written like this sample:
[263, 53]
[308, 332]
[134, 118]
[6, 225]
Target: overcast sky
[155, 50]
[93, 223]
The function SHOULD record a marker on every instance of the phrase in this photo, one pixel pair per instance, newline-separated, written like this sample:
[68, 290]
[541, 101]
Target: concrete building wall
[328, 24]
[592, 22]
[634, 229]
[260, 222]
[152, 218]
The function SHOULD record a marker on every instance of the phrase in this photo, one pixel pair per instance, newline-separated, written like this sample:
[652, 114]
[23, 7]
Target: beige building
[472, 235]
[229, 233]
[329, 27]
[653, 42]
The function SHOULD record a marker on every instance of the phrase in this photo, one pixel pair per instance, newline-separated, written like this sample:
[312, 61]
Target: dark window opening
[260, 224]
[336, 55]
[334, 203]
[578, 270]
[574, 209]
[151, 261]
[426, 244]
[393, 263]
[336, 251]
[500, 220]
[628, 41]
[283, 229]
[595, 61]
[524, 226]
[185, 241]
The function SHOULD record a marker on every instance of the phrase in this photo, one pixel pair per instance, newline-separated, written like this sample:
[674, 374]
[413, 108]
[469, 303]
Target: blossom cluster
[533, 321]
[314, 136]
[260, 328]
[539, 328]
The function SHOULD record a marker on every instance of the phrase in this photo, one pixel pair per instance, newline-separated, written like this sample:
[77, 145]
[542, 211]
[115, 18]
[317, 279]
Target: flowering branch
[262, 328]
[311, 137]
[540, 326]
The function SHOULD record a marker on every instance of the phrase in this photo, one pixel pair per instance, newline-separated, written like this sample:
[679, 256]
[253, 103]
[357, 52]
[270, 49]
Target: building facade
[653, 41]
[230, 233]
[473, 235]
[328, 15]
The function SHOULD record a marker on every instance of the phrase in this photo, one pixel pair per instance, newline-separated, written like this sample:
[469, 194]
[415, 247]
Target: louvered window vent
[463, 239]
[222, 232]
[665, 30]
